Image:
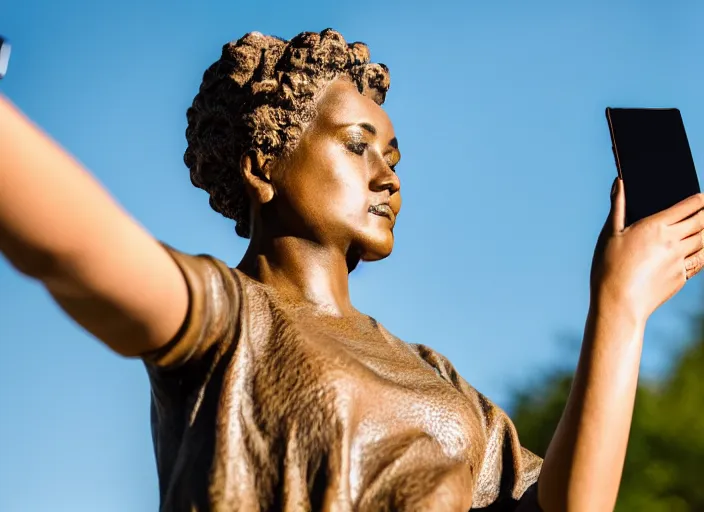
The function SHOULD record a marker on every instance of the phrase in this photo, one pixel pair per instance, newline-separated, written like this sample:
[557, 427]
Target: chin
[377, 247]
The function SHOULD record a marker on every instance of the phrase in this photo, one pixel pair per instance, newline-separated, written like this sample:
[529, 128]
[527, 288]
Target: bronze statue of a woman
[270, 390]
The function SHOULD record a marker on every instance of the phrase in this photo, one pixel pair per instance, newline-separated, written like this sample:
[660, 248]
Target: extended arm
[635, 270]
[59, 226]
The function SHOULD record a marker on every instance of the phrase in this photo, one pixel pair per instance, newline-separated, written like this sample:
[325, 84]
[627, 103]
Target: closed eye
[357, 147]
[393, 159]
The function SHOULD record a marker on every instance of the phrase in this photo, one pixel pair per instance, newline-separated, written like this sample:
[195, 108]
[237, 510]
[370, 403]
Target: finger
[682, 210]
[694, 264]
[692, 244]
[618, 206]
[690, 225]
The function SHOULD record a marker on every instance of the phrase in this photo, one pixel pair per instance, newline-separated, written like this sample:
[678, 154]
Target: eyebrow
[368, 127]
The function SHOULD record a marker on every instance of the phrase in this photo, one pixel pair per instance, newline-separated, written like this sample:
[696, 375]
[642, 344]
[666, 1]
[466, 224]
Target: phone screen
[653, 158]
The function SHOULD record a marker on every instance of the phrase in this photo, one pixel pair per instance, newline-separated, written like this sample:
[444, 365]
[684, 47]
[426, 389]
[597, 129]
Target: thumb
[618, 206]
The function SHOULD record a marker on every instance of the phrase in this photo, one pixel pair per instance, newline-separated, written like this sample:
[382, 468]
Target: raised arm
[635, 270]
[59, 226]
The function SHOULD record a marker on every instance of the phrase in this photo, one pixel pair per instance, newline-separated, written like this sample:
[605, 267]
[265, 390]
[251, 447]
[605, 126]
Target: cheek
[342, 187]
[331, 190]
[351, 201]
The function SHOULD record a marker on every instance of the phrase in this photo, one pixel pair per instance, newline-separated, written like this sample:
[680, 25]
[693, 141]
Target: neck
[301, 270]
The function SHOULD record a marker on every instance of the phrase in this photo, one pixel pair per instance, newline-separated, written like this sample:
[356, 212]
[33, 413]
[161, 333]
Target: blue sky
[506, 170]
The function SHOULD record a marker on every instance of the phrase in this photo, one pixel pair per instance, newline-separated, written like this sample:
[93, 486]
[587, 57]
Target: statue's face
[338, 187]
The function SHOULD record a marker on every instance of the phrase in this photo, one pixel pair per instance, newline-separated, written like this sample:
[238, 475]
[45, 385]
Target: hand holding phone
[658, 197]
[653, 159]
[637, 268]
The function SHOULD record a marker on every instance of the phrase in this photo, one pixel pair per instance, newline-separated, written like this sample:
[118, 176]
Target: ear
[256, 172]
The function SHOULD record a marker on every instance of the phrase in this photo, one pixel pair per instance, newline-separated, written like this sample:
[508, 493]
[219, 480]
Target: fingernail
[613, 187]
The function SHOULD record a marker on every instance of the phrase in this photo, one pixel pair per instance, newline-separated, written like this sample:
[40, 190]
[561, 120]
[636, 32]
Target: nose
[385, 179]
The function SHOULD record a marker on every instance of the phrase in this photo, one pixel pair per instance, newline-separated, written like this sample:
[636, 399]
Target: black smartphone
[653, 159]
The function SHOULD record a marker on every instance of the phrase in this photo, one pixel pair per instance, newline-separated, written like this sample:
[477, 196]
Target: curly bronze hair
[258, 97]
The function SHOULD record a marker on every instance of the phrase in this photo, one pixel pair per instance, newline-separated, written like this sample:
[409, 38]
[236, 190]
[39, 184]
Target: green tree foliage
[664, 470]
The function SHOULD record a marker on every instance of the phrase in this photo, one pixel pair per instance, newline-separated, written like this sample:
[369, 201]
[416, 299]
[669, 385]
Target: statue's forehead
[342, 104]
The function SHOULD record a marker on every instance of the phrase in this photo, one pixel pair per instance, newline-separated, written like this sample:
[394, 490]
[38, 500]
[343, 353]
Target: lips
[382, 210]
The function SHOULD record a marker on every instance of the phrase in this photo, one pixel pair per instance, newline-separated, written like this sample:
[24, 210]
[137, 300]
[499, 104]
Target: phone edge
[614, 149]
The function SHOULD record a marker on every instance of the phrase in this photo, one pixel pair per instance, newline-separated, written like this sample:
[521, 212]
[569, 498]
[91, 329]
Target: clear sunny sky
[506, 171]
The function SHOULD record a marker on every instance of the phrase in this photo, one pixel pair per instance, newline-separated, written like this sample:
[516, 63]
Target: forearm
[583, 465]
[49, 205]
